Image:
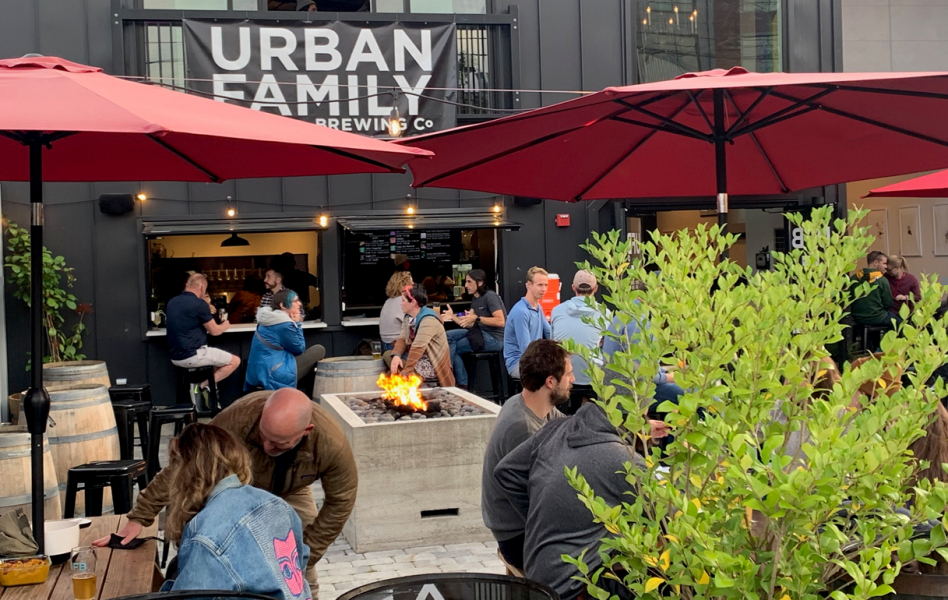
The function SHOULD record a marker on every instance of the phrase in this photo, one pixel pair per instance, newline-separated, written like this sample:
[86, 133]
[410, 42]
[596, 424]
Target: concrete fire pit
[419, 479]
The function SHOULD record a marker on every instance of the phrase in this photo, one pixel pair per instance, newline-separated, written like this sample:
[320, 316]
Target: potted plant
[772, 489]
[63, 342]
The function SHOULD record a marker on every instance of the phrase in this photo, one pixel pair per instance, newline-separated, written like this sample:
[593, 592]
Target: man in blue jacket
[526, 321]
[278, 353]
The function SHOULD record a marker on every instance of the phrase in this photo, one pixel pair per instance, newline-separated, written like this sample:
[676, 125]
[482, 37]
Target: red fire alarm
[562, 220]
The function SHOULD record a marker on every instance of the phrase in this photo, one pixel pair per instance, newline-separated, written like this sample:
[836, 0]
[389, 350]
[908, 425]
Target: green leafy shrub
[740, 511]
[62, 342]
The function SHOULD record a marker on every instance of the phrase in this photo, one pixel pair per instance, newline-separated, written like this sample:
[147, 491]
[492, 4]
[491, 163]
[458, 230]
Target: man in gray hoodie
[547, 376]
[557, 522]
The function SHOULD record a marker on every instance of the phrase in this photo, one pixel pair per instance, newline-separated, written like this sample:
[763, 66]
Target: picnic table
[118, 572]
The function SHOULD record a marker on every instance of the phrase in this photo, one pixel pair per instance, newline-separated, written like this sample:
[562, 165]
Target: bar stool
[92, 477]
[188, 376]
[131, 404]
[577, 394]
[158, 417]
[498, 374]
[127, 413]
[867, 330]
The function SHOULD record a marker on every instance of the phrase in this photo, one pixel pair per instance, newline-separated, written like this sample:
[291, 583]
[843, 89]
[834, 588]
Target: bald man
[292, 443]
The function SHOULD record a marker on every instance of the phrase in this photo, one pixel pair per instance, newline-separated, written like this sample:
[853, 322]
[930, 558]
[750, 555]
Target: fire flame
[403, 391]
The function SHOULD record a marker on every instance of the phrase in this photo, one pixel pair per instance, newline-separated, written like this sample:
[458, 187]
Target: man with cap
[568, 324]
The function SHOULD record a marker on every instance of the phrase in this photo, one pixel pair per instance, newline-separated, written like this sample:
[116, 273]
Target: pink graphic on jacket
[288, 558]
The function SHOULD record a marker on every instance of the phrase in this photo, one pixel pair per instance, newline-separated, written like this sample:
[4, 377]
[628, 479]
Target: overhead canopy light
[234, 240]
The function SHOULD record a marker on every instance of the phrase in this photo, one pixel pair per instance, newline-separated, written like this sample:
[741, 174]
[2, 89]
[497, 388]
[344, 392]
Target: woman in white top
[390, 320]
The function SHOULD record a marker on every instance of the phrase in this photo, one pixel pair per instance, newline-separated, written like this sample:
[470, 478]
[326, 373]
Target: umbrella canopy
[702, 134]
[110, 129]
[933, 185]
[62, 121]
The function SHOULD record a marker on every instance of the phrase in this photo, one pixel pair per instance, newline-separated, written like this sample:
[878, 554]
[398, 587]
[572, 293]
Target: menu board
[381, 247]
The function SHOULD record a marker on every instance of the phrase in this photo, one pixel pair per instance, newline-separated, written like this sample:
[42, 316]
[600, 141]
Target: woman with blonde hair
[230, 535]
[390, 320]
[904, 285]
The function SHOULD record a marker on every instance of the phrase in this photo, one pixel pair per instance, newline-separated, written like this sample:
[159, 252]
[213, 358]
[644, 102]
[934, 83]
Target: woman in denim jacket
[230, 535]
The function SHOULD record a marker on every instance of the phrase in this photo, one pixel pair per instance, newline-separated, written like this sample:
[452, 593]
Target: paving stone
[372, 561]
[364, 578]
[469, 546]
[468, 559]
[345, 587]
[384, 553]
[424, 549]
[483, 550]
[403, 558]
[385, 567]
[334, 558]
[335, 579]
[347, 570]
[326, 587]
[333, 566]
[441, 562]
[423, 556]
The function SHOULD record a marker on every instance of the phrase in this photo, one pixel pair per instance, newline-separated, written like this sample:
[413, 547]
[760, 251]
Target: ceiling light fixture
[234, 240]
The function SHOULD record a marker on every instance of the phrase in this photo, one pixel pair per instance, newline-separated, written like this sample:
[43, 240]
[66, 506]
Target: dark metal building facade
[548, 45]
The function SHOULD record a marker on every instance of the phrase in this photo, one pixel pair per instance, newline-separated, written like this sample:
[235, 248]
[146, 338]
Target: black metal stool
[514, 387]
[163, 415]
[576, 395]
[131, 404]
[127, 413]
[498, 374]
[867, 330]
[92, 477]
[188, 376]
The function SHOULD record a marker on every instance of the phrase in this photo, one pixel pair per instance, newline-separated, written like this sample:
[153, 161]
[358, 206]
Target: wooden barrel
[76, 372]
[84, 432]
[16, 472]
[344, 374]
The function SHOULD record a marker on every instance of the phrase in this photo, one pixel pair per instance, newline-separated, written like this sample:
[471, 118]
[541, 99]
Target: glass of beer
[82, 562]
[376, 350]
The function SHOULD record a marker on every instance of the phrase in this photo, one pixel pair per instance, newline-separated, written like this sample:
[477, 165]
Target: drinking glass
[436, 306]
[82, 562]
[376, 350]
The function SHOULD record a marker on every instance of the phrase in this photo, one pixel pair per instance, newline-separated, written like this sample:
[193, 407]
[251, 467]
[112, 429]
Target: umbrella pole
[720, 162]
[36, 402]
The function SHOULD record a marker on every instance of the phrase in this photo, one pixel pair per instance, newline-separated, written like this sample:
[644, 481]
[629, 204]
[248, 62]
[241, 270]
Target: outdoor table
[119, 572]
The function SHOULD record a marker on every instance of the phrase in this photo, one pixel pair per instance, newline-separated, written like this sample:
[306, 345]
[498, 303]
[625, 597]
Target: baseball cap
[584, 281]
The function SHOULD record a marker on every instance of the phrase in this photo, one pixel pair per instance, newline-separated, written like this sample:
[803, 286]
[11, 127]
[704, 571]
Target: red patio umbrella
[933, 185]
[702, 134]
[62, 121]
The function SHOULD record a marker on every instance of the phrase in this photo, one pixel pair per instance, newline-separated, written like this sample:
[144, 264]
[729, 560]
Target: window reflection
[698, 35]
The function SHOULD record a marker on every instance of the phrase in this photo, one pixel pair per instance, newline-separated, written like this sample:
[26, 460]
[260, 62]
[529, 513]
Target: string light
[496, 208]
[395, 120]
[323, 221]
[231, 212]
[410, 210]
[231, 208]
[141, 197]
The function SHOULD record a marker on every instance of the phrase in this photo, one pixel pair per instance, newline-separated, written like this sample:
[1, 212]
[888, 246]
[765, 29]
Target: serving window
[439, 259]
[235, 265]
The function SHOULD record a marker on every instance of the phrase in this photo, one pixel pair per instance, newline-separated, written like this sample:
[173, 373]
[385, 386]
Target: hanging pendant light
[234, 240]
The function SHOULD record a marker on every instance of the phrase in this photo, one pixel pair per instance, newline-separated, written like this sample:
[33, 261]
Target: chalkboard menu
[369, 259]
[381, 247]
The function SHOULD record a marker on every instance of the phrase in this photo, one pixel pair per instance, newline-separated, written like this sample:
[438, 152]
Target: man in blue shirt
[526, 321]
[189, 322]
